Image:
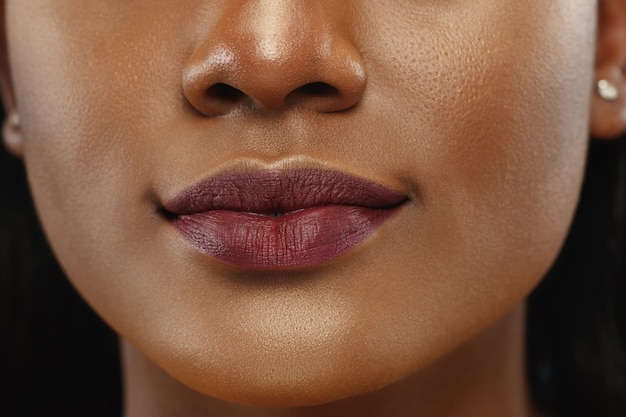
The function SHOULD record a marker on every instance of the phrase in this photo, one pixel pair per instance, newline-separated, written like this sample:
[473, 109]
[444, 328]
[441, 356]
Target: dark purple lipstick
[281, 219]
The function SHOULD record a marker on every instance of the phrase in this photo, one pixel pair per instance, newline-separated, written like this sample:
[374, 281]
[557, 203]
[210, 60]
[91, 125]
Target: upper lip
[276, 191]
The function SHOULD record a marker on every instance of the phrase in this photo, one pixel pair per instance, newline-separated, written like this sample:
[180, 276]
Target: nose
[270, 55]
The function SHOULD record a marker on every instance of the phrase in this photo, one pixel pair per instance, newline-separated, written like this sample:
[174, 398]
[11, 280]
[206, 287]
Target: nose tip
[298, 61]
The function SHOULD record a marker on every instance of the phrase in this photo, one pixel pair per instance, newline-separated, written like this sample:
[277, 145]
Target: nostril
[322, 96]
[224, 93]
[316, 89]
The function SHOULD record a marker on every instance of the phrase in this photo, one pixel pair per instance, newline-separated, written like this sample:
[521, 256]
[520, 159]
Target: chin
[281, 381]
[288, 394]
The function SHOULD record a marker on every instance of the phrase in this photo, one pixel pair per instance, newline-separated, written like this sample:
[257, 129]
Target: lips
[281, 219]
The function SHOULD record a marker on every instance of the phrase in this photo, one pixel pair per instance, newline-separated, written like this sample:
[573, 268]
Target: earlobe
[11, 126]
[608, 105]
[12, 134]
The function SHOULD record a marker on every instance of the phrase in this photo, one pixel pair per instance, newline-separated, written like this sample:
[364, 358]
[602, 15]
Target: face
[472, 115]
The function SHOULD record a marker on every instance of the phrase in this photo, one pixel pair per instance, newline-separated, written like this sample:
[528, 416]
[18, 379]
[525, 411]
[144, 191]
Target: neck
[484, 377]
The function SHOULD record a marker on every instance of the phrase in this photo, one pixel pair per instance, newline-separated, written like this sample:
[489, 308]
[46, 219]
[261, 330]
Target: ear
[608, 110]
[11, 126]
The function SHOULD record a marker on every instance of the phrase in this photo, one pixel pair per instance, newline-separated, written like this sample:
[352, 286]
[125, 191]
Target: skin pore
[477, 111]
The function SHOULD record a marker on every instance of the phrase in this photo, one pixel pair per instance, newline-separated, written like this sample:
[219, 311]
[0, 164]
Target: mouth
[281, 219]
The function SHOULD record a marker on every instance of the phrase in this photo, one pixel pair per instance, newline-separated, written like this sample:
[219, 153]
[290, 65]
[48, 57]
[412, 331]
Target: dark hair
[576, 317]
[57, 355]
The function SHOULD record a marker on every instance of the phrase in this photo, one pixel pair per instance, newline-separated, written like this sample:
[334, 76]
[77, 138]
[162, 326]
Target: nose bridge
[280, 30]
[271, 52]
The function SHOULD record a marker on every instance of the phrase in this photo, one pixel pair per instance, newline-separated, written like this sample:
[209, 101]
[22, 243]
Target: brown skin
[477, 110]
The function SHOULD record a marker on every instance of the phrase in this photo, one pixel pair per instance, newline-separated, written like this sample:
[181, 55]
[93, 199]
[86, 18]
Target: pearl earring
[607, 90]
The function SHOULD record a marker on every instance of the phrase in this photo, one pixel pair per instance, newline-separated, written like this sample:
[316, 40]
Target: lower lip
[295, 240]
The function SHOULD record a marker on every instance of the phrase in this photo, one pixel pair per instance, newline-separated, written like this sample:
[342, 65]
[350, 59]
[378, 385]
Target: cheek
[86, 96]
[499, 129]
